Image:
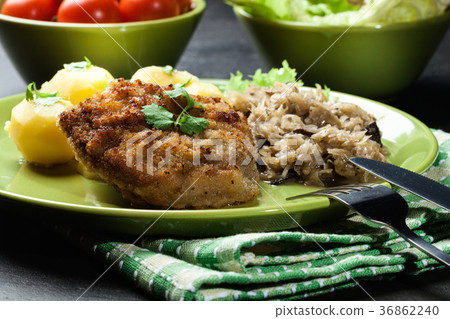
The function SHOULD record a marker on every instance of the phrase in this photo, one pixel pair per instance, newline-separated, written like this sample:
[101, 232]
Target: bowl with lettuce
[372, 48]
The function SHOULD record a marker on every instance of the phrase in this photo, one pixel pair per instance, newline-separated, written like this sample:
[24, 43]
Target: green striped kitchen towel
[282, 265]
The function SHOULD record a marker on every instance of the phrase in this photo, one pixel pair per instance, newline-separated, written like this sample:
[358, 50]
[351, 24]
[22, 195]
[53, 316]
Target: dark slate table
[35, 263]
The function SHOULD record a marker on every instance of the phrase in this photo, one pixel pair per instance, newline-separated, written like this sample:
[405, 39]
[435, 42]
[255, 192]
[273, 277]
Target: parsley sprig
[34, 95]
[169, 70]
[163, 119]
[74, 66]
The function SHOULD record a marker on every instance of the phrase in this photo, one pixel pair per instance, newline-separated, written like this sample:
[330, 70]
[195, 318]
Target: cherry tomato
[141, 10]
[185, 5]
[30, 9]
[89, 11]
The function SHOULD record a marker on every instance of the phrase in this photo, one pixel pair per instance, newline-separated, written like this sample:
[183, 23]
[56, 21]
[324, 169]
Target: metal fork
[383, 206]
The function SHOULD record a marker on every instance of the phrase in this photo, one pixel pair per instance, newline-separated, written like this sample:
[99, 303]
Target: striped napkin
[281, 265]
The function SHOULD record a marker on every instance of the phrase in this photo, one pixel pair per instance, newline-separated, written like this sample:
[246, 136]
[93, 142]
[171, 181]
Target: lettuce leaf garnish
[283, 75]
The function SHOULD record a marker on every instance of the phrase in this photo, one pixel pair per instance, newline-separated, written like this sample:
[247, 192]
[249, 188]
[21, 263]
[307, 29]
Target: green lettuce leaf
[237, 83]
[283, 75]
[344, 12]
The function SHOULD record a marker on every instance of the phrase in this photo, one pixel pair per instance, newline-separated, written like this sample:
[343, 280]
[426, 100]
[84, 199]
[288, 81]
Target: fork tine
[317, 193]
[331, 191]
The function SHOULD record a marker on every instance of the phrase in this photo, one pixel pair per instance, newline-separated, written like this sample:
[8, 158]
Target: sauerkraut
[301, 132]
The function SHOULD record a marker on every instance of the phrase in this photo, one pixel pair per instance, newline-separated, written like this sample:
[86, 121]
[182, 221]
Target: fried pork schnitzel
[166, 168]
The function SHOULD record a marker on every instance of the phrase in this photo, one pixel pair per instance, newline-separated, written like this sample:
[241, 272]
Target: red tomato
[141, 10]
[30, 9]
[89, 11]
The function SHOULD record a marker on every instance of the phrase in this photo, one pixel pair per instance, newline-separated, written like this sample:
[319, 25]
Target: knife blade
[417, 184]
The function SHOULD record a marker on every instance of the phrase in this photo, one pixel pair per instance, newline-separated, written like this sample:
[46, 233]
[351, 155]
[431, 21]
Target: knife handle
[423, 245]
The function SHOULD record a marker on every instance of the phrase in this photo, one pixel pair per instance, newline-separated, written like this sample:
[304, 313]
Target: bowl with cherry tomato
[39, 36]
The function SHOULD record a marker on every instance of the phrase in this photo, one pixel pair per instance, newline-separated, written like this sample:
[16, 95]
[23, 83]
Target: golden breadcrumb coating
[165, 168]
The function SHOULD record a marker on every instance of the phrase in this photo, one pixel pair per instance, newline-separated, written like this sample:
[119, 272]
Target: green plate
[61, 195]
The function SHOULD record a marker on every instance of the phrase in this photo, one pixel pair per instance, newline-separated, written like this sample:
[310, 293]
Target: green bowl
[38, 49]
[373, 61]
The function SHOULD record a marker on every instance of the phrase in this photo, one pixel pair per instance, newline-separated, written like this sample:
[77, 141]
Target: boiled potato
[205, 89]
[36, 134]
[163, 76]
[76, 85]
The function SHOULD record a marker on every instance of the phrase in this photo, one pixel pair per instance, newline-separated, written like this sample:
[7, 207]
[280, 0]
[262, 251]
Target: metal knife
[412, 182]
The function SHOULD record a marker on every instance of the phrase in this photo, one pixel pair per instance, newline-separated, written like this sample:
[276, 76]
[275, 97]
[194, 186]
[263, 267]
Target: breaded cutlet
[165, 168]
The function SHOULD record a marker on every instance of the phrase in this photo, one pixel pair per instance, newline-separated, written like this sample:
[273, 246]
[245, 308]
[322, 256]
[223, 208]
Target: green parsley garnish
[191, 124]
[168, 69]
[162, 119]
[34, 95]
[158, 116]
[74, 66]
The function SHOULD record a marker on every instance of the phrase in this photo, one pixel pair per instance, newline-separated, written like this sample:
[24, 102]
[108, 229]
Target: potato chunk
[205, 89]
[34, 130]
[76, 85]
[164, 76]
